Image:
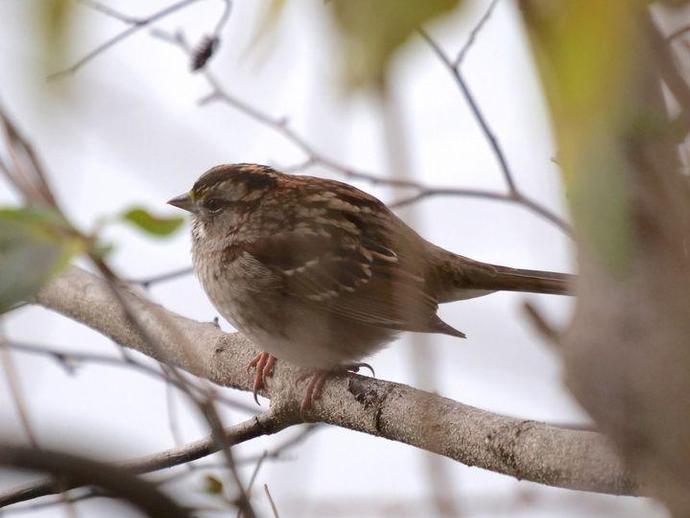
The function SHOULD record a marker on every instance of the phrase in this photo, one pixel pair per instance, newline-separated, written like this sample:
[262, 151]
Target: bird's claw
[264, 364]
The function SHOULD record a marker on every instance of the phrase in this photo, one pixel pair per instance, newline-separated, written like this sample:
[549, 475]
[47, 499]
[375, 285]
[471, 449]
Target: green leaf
[34, 246]
[374, 29]
[153, 225]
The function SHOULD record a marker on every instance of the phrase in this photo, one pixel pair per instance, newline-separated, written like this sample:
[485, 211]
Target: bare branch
[16, 390]
[223, 18]
[668, 68]
[113, 13]
[147, 282]
[525, 449]
[275, 453]
[514, 194]
[264, 424]
[71, 359]
[476, 111]
[274, 509]
[678, 33]
[74, 471]
[63, 498]
[27, 174]
[136, 24]
[473, 34]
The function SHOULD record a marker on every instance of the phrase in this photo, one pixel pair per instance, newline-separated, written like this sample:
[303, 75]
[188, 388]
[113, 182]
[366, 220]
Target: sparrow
[321, 274]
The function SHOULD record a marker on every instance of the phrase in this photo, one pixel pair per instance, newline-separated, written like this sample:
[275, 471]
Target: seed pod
[204, 52]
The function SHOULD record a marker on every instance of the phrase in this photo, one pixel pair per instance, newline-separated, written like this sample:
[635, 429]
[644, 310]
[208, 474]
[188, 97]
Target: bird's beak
[183, 201]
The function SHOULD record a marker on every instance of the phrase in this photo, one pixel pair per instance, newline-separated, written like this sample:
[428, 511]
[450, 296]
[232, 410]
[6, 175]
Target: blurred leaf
[374, 29]
[54, 27]
[263, 38]
[34, 246]
[587, 63]
[102, 249]
[213, 485]
[153, 225]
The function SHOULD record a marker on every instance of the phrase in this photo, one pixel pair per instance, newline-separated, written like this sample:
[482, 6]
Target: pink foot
[318, 378]
[264, 363]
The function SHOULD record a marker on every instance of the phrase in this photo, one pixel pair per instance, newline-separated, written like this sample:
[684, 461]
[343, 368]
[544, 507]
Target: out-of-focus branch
[16, 391]
[70, 360]
[135, 24]
[147, 282]
[274, 508]
[669, 71]
[265, 424]
[24, 170]
[525, 449]
[273, 454]
[74, 471]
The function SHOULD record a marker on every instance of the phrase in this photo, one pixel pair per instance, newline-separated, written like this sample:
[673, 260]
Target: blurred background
[127, 128]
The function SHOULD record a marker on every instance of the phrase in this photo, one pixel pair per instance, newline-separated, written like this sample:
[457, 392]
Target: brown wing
[337, 264]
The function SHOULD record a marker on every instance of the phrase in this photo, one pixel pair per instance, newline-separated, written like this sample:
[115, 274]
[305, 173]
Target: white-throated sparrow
[321, 274]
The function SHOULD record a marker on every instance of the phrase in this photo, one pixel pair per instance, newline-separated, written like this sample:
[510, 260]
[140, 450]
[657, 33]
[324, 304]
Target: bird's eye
[214, 205]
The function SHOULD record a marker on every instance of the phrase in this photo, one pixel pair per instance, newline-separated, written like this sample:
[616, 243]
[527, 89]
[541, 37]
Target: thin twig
[147, 282]
[62, 499]
[171, 410]
[26, 174]
[678, 32]
[476, 111]
[223, 20]
[274, 509]
[16, 390]
[113, 13]
[547, 330]
[134, 26]
[514, 194]
[473, 34]
[252, 479]
[69, 359]
[272, 454]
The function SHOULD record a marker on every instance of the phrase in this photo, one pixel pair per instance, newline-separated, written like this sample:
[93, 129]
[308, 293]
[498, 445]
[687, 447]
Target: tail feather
[469, 278]
[505, 278]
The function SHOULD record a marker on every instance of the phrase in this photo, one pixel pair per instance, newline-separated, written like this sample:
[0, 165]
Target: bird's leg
[319, 377]
[264, 363]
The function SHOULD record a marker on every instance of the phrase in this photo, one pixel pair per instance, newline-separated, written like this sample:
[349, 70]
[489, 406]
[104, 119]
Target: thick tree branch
[524, 449]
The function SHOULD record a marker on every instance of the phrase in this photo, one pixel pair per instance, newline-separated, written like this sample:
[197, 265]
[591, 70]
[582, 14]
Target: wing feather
[351, 280]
